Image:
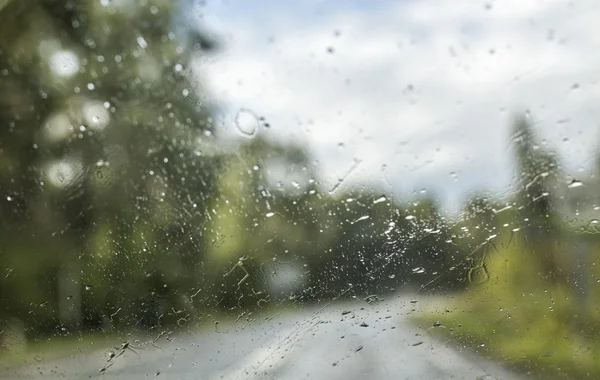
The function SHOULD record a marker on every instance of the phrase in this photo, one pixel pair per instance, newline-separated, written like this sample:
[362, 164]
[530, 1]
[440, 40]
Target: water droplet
[246, 122]
[380, 199]
[9, 198]
[437, 324]
[419, 270]
[363, 324]
[392, 276]
[417, 344]
[142, 42]
[594, 221]
[364, 217]
[88, 287]
[575, 183]
[91, 86]
[270, 214]
[410, 217]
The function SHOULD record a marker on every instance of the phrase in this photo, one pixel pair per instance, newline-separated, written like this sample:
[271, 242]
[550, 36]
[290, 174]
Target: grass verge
[521, 321]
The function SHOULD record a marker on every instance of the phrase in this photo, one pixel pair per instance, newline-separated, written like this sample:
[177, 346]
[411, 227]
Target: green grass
[44, 349]
[521, 321]
[57, 347]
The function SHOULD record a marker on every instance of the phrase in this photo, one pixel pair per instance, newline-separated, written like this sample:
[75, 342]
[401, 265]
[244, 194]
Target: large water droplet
[364, 217]
[246, 122]
[380, 199]
[575, 183]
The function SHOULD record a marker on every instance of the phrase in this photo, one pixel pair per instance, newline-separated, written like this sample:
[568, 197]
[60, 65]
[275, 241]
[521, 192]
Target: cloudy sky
[421, 93]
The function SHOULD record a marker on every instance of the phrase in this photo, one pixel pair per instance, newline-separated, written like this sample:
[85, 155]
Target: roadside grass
[520, 321]
[50, 348]
[56, 347]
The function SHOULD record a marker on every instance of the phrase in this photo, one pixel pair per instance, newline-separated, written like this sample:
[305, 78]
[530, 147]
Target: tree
[537, 172]
[103, 164]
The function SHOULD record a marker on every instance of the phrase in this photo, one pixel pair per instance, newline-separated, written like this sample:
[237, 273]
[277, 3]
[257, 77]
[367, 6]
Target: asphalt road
[340, 341]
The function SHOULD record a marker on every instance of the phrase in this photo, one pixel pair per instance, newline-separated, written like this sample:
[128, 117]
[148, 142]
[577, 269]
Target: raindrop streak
[575, 183]
[342, 179]
[246, 122]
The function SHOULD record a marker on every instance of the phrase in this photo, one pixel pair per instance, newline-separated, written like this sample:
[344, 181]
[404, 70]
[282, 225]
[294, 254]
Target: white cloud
[425, 87]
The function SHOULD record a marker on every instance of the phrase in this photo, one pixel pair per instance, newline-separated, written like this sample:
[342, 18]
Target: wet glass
[271, 190]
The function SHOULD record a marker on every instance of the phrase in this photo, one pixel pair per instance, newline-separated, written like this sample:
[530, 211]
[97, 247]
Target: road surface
[339, 341]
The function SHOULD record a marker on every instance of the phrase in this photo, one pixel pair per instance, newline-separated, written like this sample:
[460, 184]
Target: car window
[283, 190]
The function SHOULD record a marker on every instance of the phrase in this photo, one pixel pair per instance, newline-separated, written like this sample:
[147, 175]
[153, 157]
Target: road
[339, 341]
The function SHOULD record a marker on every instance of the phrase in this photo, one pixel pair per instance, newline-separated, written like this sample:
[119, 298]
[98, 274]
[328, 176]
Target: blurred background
[163, 163]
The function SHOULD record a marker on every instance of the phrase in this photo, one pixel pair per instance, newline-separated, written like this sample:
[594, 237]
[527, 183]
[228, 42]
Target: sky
[411, 95]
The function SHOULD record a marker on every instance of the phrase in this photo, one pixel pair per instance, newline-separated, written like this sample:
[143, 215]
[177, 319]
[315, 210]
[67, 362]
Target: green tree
[537, 172]
[105, 167]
